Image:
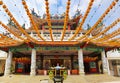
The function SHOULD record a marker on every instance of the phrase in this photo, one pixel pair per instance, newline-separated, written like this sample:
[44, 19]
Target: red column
[43, 28]
[69, 27]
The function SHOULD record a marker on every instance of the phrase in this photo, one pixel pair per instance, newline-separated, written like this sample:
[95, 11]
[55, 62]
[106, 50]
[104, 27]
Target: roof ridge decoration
[30, 17]
[17, 24]
[100, 19]
[106, 29]
[14, 33]
[79, 28]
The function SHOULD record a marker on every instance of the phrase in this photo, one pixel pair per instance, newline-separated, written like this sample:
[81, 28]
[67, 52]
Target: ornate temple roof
[60, 29]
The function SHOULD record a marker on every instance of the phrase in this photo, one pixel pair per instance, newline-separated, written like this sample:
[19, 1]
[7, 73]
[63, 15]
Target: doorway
[54, 62]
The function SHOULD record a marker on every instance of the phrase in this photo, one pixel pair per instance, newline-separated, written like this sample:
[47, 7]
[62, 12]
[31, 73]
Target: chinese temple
[57, 40]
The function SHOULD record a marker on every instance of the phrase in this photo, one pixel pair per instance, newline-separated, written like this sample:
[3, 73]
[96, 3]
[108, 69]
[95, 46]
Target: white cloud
[61, 9]
[53, 2]
[39, 6]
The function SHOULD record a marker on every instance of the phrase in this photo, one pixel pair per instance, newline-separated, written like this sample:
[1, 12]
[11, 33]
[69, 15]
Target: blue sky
[58, 7]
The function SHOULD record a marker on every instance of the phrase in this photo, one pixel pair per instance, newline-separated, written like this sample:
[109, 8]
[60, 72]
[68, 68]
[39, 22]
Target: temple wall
[2, 65]
[114, 62]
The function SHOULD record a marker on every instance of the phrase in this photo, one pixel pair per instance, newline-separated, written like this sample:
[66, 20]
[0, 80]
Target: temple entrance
[22, 68]
[21, 65]
[54, 62]
[91, 63]
[48, 59]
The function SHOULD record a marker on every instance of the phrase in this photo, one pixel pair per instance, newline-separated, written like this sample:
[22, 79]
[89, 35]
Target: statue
[44, 16]
[56, 16]
[11, 23]
[88, 26]
[23, 26]
[58, 67]
[34, 13]
[62, 16]
[77, 13]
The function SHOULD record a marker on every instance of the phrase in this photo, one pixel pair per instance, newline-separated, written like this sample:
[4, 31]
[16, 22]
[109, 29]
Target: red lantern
[23, 2]
[4, 6]
[1, 2]
[56, 56]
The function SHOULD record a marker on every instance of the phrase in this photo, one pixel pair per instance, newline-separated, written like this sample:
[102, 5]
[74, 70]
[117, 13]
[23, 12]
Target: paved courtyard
[95, 78]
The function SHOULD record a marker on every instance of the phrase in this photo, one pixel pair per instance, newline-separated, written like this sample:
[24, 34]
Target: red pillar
[43, 28]
[69, 27]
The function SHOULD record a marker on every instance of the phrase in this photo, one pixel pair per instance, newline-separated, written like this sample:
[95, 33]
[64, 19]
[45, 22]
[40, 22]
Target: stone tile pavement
[112, 82]
[93, 78]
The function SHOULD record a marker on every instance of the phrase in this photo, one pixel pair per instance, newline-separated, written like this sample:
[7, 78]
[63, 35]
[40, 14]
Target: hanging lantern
[66, 14]
[47, 11]
[30, 16]
[87, 12]
[25, 6]
[68, 7]
[47, 8]
[6, 10]
[48, 20]
[27, 11]
[13, 19]
[15, 59]
[84, 18]
[4, 6]
[108, 10]
[66, 18]
[68, 2]
[92, 0]
[49, 16]
[23, 2]
[111, 6]
[47, 3]
[113, 3]
[18, 25]
[89, 8]
[56, 56]
[118, 20]
[116, 0]
[113, 24]
[67, 11]
[106, 13]
[90, 4]
[9, 14]
[1, 2]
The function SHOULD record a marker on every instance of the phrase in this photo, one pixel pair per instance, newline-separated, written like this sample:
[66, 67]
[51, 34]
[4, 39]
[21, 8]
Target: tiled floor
[95, 78]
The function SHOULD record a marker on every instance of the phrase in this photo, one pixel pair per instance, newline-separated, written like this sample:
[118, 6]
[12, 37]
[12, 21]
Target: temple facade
[36, 59]
[78, 58]
[30, 61]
